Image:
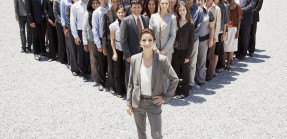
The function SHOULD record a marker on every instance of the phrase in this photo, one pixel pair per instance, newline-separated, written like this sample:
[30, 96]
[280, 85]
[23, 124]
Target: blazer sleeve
[249, 8]
[56, 11]
[124, 38]
[191, 42]
[258, 6]
[46, 9]
[29, 11]
[105, 30]
[199, 23]
[172, 34]
[16, 6]
[171, 75]
[131, 83]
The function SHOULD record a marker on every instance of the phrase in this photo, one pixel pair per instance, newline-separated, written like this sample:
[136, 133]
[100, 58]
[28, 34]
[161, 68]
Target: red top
[234, 14]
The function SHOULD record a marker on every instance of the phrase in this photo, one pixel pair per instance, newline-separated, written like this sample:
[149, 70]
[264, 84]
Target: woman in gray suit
[145, 88]
[164, 26]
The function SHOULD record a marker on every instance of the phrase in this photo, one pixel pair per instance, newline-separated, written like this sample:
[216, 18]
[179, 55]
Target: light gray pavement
[43, 100]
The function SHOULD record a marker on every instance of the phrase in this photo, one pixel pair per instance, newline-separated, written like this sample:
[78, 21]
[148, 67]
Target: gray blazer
[20, 9]
[168, 31]
[160, 67]
[130, 35]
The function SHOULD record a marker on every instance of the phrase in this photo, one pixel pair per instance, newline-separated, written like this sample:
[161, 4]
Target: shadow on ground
[224, 78]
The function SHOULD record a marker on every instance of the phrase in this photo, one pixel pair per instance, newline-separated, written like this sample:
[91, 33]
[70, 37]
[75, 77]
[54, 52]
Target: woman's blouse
[115, 26]
[87, 30]
[185, 38]
[146, 80]
[204, 33]
[234, 15]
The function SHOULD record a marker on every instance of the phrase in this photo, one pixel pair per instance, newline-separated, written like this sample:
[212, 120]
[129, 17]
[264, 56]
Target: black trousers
[110, 65]
[119, 74]
[219, 50]
[103, 67]
[22, 24]
[243, 40]
[182, 70]
[62, 55]
[52, 35]
[252, 41]
[82, 56]
[73, 53]
[39, 38]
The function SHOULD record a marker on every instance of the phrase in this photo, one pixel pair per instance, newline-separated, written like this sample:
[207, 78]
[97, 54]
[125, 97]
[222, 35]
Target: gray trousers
[153, 111]
[193, 63]
[201, 62]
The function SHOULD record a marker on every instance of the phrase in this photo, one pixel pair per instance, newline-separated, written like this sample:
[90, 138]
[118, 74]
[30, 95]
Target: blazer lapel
[133, 22]
[166, 20]
[138, 68]
[111, 15]
[154, 69]
[144, 22]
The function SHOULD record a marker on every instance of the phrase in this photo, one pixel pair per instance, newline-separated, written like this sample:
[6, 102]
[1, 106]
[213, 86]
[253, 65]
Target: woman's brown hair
[146, 7]
[147, 31]
[187, 16]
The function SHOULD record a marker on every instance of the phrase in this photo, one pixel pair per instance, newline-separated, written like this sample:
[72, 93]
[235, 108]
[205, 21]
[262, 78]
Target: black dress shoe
[250, 54]
[29, 49]
[23, 51]
[85, 78]
[241, 58]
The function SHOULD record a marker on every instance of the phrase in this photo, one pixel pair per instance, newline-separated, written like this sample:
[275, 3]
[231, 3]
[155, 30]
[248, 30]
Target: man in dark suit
[252, 42]
[247, 7]
[21, 18]
[36, 18]
[131, 28]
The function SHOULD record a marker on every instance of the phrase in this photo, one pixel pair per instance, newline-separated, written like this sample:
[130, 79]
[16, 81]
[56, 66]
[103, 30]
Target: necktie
[139, 25]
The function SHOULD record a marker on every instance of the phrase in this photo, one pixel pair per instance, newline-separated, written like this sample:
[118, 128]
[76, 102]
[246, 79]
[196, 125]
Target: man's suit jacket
[49, 14]
[57, 10]
[160, 67]
[257, 9]
[20, 8]
[108, 18]
[247, 12]
[35, 10]
[130, 35]
[168, 31]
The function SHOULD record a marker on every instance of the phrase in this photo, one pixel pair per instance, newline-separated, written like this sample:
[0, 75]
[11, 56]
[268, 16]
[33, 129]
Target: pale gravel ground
[43, 100]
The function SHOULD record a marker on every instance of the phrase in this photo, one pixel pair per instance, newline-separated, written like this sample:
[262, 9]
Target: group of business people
[141, 47]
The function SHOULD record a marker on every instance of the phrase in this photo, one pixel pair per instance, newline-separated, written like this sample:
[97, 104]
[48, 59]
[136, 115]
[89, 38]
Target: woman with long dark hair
[182, 48]
[150, 7]
[119, 65]
[88, 38]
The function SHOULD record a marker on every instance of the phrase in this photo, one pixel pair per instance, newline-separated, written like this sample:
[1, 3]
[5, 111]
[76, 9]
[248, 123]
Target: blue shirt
[63, 5]
[197, 16]
[97, 23]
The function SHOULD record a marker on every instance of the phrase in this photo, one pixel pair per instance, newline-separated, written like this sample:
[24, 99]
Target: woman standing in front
[164, 26]
[119, 64]
[145, 89]
[231, 40]
[88, 39]
[182, 48]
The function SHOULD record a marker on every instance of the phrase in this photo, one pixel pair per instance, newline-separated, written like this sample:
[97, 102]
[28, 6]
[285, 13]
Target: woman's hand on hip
[158, 100]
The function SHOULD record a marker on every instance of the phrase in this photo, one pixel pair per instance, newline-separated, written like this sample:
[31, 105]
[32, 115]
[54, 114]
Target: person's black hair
[136, 2]
[120, 7]
[90, 10]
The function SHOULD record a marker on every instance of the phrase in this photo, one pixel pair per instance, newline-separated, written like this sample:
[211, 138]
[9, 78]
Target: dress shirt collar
[212, 5]
[136, 17]
[103, 8]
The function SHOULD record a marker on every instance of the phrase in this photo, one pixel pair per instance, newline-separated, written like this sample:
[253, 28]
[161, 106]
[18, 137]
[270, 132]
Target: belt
[146, 97]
